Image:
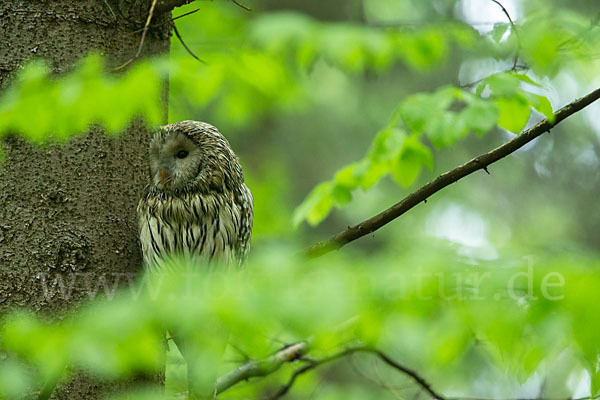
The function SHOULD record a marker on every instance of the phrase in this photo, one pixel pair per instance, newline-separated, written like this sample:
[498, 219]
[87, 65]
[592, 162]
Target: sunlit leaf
[514, 113]
[499, 31]
[445, 129]
[316, 206]
[541, 104]
[480, 116]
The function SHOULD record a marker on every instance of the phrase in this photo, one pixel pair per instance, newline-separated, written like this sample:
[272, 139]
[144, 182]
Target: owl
[196, 204]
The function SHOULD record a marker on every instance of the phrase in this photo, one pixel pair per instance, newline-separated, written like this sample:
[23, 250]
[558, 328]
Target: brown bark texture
[67, 212]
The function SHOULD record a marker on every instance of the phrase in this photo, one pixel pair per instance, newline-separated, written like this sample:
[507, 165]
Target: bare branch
[483, 161]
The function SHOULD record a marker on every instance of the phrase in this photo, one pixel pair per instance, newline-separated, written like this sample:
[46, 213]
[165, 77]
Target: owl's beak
[163, 175]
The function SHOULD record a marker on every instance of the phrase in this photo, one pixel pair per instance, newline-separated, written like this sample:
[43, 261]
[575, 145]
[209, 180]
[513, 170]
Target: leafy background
[338, 111]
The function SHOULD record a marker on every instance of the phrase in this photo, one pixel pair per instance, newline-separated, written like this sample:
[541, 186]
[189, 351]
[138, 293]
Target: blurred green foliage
[68, 105]
[440, 316]
[398, 86]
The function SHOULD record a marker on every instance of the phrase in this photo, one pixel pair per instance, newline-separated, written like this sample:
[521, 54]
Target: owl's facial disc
[174, 162]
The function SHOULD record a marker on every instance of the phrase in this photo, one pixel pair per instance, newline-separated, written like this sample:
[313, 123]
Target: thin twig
[385, 358]
[141, 45]
[420, 381]
[241, 5]
[372, 224]
[410, 23]
[514, 29]
[111, 10]
[172, 20]
[379, 382]
[407, 371]
[478, 81]
[512, 24]
[241, 352]
[185, 14]
[185, 45]
[581, 36]
[286, 388]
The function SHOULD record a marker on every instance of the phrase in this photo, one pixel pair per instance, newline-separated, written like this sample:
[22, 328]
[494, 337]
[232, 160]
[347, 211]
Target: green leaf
[405, 171]
[526, 79]
[514, 113]
[445, 129]
[346, 176]
[386, 144]
[372, 172]
[499, 31]
[480, 116]
[541, 41]
[341, 195]
[417, 110]
[407, 165]
[414, 149]
[503, 84]
[541, 104]
[424, 49]
[316, 206]
[342, 44]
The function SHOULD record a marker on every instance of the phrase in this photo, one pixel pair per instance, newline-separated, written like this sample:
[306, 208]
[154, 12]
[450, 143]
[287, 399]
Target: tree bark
[67, 212]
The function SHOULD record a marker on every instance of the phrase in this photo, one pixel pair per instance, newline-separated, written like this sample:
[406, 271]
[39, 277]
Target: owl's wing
[146, 229]
[245, 202]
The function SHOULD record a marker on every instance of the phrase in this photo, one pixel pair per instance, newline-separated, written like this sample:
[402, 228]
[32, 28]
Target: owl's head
[192, 156]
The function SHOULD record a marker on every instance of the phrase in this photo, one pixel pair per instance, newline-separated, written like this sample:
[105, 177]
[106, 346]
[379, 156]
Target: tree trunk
[67, 213]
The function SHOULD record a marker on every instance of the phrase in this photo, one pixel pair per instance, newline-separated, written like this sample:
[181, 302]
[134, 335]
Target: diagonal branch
[481, 162]
[259, 368]
[240, 5]
[296, 351]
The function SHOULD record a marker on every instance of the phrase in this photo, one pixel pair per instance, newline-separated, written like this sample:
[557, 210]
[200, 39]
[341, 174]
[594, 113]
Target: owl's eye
[182, 154]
